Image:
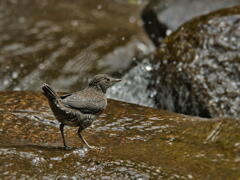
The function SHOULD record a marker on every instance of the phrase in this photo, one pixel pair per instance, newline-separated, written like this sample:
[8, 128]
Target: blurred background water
[64, 43]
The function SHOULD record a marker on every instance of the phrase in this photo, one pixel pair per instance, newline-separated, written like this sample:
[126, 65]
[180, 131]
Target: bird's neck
[98, 88]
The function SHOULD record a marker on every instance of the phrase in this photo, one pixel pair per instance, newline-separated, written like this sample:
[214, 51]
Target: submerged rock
[137, 142]
[162, 15]
[199, 65]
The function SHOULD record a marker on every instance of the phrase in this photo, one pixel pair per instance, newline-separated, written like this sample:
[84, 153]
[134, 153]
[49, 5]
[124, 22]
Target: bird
[81, 108]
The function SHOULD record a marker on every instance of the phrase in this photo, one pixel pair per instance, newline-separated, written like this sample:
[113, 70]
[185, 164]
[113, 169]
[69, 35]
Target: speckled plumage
[80, 109]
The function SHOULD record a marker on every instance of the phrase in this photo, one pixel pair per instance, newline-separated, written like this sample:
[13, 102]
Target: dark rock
[154, 28]
[198, 66]
[159, 15]
[137, 142]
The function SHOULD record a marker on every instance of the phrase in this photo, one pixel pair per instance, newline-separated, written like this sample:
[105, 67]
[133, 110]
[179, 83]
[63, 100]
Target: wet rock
[138, 143]
[64, 43]
[195, 71]
[199, 66]
[161, 15]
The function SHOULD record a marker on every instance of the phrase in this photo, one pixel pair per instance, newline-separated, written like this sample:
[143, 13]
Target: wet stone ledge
[137, 143]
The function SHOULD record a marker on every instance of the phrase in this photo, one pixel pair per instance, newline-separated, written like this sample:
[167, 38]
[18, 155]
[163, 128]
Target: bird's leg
[61, 127]
[83, 140]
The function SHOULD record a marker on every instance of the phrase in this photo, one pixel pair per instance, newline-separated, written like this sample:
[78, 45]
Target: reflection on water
[137, 143]
[64, 43]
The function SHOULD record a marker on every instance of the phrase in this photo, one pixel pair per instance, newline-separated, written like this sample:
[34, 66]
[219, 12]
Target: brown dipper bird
[80, 109]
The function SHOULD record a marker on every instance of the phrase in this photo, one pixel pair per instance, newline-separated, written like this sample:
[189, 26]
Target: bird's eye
[108, 79]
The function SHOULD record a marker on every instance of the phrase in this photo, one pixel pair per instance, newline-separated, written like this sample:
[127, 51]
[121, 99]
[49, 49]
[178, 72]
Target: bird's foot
[94, 148]
[67, 148]
[90, 147]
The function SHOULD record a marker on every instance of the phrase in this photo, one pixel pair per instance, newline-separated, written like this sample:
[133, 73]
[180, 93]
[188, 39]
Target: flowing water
[64, 43]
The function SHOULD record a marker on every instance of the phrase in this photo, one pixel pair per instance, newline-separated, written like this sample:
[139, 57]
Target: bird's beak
[116, 80]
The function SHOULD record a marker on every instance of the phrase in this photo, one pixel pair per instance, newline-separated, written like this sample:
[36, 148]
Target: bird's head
[103, 82]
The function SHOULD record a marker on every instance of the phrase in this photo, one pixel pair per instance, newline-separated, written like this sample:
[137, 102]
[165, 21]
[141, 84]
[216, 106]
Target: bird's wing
[87, 101]
[64, 96]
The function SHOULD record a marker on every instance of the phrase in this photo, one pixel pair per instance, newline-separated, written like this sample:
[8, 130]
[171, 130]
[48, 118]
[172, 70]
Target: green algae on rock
[138, 142]
[199, 66]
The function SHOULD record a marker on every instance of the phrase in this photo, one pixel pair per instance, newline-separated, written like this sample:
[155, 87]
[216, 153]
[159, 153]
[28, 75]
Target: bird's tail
[49, 92]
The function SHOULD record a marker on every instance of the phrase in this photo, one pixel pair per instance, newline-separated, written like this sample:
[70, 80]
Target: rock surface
[137, 143]
[195, 71]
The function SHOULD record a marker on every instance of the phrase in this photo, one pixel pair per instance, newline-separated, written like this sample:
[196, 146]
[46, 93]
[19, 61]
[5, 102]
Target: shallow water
[137, 143]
